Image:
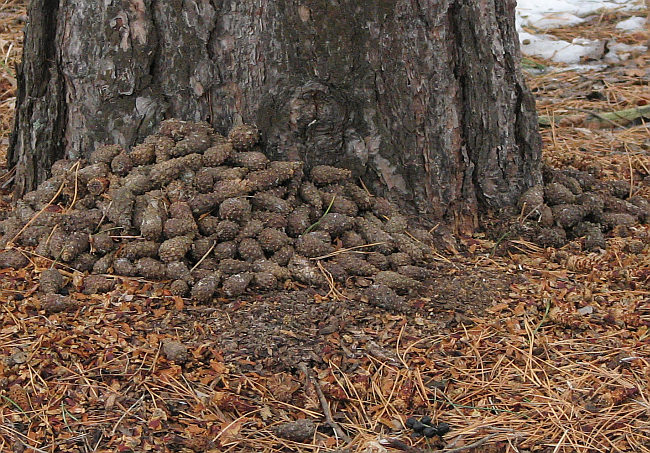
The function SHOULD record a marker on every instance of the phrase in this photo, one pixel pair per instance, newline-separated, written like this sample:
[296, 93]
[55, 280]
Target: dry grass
[560, 364]
[12, 19]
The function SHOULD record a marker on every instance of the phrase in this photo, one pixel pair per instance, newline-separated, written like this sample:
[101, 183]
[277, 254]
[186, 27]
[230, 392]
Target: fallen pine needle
[325, 405]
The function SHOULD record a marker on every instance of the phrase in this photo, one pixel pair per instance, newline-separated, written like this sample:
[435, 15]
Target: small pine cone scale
[139, 249]
[180, 227]
[236, 284]
[272, 239]
[125, 267]
[105, 154]
[151, 269]
[244, 137]
[204, 290]
[143, 154]
[194, 142]
[121, 164]
[250, 250]
[253, 160]
[354, 265]
[265, 281]
[324, 174]
[225, 250]
[174, 249]
[217, 154]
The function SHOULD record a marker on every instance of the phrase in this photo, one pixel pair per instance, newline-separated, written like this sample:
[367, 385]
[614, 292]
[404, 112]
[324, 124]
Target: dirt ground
[517, 348]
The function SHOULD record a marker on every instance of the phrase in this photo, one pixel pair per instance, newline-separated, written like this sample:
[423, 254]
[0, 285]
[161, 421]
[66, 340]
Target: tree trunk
[422, 99]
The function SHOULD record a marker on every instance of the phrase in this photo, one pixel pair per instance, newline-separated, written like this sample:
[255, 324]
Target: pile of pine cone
[215, 217]
[575, 204]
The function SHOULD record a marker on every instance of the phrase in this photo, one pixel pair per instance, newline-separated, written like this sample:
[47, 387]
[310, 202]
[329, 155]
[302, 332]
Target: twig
[204, 256]
[363, 185]
[325, 405]
[531, 212]
[478, 443]
[625, 116]
[548, 308]
[10, 244]
[629, 162]
[76, 188]
[331, 283]
[7, 178]
[17, 435]
[596, 115]
[104, 216]
[126, 412]
[349, 249]
[398, 444]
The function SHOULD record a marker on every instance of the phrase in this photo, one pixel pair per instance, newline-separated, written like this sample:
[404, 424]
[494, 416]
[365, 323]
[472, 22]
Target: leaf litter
[516, 346]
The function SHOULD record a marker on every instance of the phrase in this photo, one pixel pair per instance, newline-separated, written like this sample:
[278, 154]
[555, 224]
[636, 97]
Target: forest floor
[516, 347]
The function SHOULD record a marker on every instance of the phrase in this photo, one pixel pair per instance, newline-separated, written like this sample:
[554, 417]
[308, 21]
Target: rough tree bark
[423, 99]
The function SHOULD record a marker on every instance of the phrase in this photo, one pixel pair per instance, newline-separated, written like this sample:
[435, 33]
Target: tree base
[424, 101]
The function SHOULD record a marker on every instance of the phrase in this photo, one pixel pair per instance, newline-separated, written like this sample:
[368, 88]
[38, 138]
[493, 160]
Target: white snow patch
[547, 14]
[558, 50]
[578, 51]
[621, 52]
[634, 23]
[556, 13]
